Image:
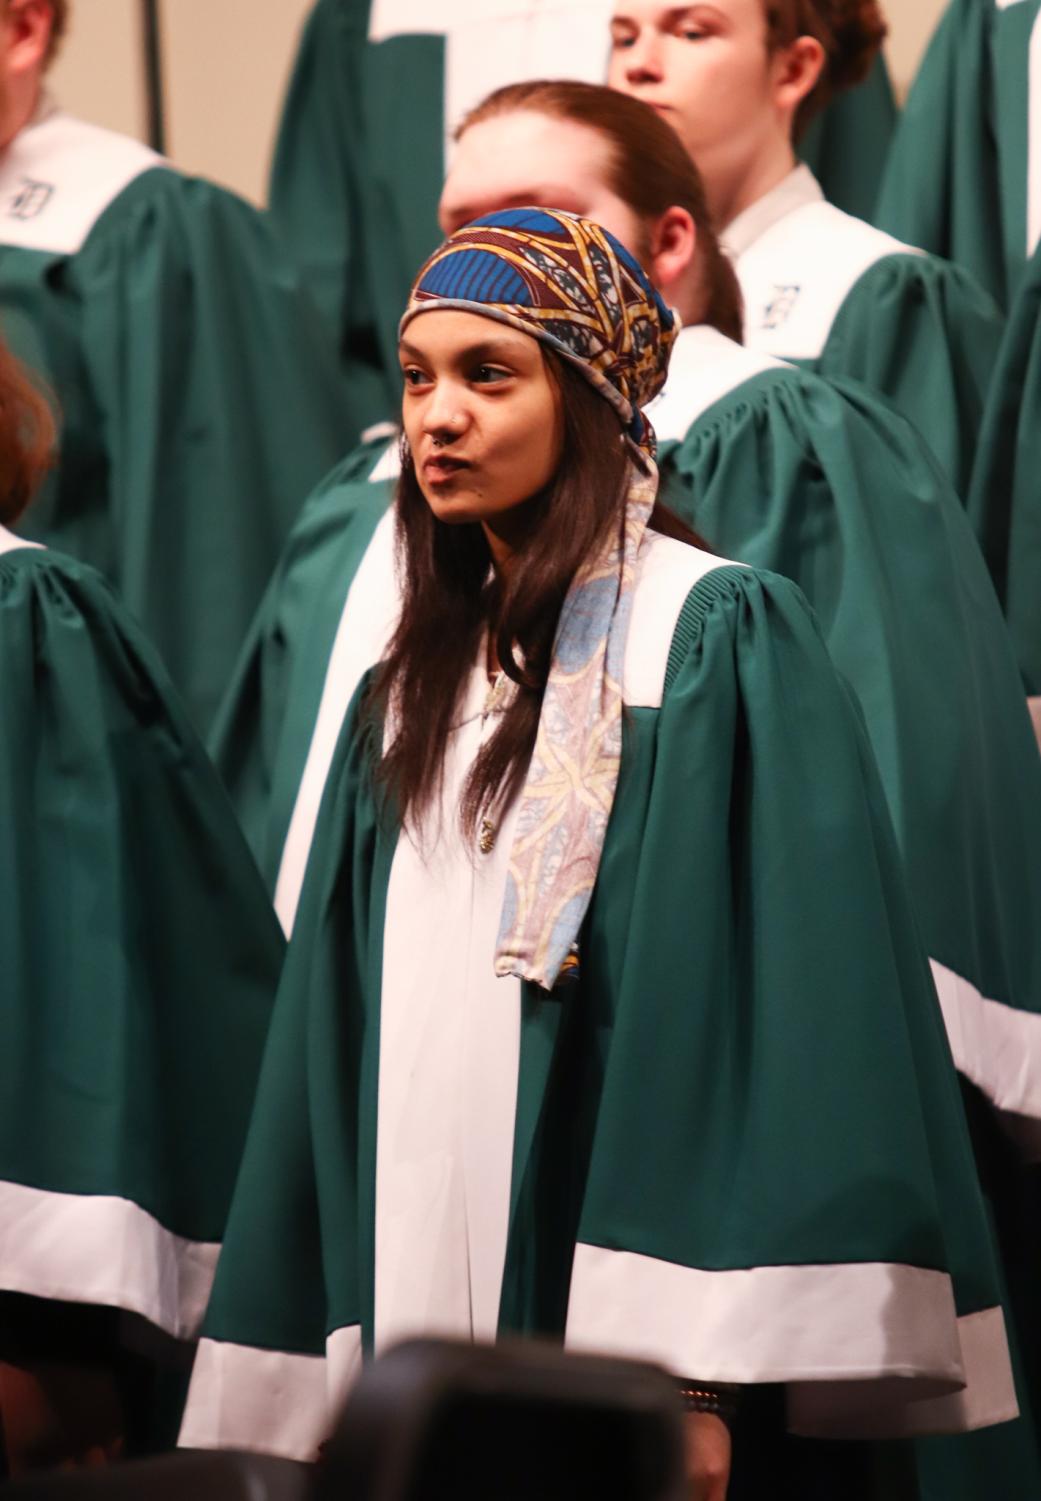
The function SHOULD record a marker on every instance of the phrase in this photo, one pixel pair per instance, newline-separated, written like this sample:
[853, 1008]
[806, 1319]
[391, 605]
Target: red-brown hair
[649, 170]
[59, 26]
[851, 33]
[27, 435]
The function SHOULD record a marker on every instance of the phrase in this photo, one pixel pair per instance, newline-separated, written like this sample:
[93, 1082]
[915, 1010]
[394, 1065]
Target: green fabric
[1005, 497]
[823, 484]
[924, 336]
[956, 179]
[298, 1257]
[198, 411]
[663, 1105]
[355, 185]
[140, 952]
[262, 733]
[846, 147]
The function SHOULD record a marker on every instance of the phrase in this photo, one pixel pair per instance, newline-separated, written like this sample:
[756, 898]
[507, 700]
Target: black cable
[154, 74]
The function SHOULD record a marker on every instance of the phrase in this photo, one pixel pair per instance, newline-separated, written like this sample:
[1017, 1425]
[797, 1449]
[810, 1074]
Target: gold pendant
[486, 840]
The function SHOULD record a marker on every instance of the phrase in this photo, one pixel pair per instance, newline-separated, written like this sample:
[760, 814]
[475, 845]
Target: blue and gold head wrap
[570, 284]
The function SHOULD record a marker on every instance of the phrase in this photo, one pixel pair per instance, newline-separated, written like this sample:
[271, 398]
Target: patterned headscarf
[567, 282]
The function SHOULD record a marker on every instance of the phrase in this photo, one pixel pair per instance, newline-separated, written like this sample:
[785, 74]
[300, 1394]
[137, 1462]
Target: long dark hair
[452, 597]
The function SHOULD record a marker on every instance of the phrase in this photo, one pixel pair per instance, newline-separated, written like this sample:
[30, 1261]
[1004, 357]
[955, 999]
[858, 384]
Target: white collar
[704, 367]
[10, 543]
[796, 190]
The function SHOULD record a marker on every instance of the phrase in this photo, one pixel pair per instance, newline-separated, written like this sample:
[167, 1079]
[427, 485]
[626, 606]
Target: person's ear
[673, 242]
[28, 25]
[796, 72]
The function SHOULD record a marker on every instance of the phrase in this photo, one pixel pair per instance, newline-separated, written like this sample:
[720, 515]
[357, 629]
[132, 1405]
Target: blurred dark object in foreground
[186, 1476]
[432, 1421]
[517, 1421]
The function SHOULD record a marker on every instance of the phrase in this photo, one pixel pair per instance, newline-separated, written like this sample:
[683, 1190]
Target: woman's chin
[455, 510]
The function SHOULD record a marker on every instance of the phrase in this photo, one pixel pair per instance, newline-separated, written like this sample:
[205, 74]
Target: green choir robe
[818, 482]
[140, 963]
[823, 483]
[964, 175]
[735, 1146]
[1005, 499]
[356, 179]
[841, 298]
[198, 403]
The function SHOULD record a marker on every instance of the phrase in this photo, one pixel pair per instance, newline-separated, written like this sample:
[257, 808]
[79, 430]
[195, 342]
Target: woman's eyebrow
[484, 349]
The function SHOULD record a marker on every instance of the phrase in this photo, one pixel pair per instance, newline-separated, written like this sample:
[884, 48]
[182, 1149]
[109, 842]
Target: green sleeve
[313, 168]
[262, 731]
[942, 190]
[141, 954]
[317, 198]
[1005, 497]
[822, 483]
[303, 1212]
[923, 335]
[218, 407]
[846, 147]
[777, 1091]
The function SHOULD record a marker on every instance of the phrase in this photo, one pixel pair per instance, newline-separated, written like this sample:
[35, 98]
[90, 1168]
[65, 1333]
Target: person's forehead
[456, 332]
[655, 12]
[519, 157]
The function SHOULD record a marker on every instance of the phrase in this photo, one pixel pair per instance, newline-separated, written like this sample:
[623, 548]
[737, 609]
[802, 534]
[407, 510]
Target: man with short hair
[198, 404]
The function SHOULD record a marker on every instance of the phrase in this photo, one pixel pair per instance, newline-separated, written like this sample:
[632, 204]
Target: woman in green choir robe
[140, 958]
[964, 176]
[604, 1016]
[772, 465]
[355, 179]
[199, 404]
[739, 80]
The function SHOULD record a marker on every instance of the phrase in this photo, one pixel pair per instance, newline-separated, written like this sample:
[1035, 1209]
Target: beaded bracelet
[720, 1399]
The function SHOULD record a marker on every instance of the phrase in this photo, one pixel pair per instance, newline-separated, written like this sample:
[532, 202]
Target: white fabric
[798, 258]
[103, 1250]
[387, 466]
[999, 1049]
[667, 572]
[490, 43]
[798, 190]
[10, 543]
[58, 177]
[450, 1031]
[370, 613]
[704, 367]
[449, 1060]
[846, 1410]
[822, 1330]
[240, 1396]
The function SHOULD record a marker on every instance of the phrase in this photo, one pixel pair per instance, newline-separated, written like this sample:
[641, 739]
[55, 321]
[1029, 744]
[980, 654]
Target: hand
[707, 1443]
